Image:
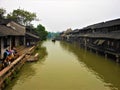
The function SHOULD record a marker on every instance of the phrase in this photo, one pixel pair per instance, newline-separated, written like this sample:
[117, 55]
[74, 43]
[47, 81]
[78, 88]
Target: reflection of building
[101, 37]
[102, 68]
[14, 34]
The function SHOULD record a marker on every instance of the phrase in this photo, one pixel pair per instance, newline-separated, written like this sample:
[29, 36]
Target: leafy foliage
[41, 32]
[25, 18]
[52, 35]
[2, 12]
[22, 16]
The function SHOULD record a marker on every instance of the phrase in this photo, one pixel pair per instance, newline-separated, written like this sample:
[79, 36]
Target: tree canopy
[25, 18]
[2, 12]
[22, 16]
[41, 32]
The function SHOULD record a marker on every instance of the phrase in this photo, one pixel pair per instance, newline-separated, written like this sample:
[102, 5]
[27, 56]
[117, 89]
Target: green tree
[2, 12]
[22, 16]
[41, 32]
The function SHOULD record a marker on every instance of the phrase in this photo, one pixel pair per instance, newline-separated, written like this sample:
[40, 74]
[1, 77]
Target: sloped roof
[97, 25]
[8, 28]
[7, 31]
[75, 31]
[17, 27]
[112, 22]
[104, 24]
[68, 31]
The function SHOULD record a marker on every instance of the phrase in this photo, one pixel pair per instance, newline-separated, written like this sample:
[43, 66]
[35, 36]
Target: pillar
[16, 41]
[2, 47]
[105, 55]
[24, 39]
[96, 52]
[117, 58]
[10, 43]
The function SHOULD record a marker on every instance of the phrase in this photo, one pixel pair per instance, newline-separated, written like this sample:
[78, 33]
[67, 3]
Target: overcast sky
[59, 15]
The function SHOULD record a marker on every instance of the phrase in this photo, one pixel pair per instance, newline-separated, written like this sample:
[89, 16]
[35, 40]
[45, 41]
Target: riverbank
[9, 72]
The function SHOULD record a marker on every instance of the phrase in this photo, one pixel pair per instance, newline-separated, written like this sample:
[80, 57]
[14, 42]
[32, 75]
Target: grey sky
[58, 15]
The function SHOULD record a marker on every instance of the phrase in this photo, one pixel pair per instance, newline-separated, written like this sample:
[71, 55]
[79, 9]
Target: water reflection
[105, 69]
[25, 74]
[42, 52]
[28, 70]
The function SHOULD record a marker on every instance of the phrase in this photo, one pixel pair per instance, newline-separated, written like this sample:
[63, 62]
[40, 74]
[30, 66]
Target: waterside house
[31, 36]
[102, 37]
[13, 34]
[66, 34]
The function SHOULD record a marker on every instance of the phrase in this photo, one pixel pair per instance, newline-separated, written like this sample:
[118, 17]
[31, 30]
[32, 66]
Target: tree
[22, 16]
[2, 12]
[41, 32]
[52, 35]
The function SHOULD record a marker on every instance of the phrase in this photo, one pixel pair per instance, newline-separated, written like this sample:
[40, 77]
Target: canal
[68, 67]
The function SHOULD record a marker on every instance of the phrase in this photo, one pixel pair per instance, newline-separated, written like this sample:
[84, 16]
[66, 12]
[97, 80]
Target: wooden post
[105, 55]
[117, 58]
[2, 47]
[24, 41]
[10, 43]
[96, 52]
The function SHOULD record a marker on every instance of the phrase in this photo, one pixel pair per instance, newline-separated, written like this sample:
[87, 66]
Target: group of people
[8, 57]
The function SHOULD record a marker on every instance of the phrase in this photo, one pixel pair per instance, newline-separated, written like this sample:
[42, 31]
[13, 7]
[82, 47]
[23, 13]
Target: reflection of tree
[105, 69]
[42, 52]
[26, 72]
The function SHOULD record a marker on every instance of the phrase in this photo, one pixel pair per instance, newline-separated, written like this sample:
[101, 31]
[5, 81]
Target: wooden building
[31, 36]
[66, 34]
[9, 38]
[13, 34]
[102, 37]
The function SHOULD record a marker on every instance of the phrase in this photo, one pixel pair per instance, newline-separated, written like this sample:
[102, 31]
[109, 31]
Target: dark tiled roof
[7, 31]
[104, 24]
[98, 25]
[112, 23]
[17, 27]
[75, 31]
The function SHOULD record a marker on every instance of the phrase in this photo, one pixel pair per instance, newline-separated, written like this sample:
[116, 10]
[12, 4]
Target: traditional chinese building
[13, 34]
[102, 37]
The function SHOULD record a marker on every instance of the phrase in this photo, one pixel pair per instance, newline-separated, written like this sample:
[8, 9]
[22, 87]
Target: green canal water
[68, 67]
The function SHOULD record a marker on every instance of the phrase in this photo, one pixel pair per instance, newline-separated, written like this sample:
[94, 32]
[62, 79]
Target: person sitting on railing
[6, 53]
[15, 53]
[9, 58]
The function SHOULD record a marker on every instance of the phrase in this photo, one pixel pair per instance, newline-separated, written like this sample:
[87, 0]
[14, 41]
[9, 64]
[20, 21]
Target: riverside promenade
[9, 72]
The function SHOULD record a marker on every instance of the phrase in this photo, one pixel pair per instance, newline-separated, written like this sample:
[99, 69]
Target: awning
[96, 41]
[32, 35]
[100, 42]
